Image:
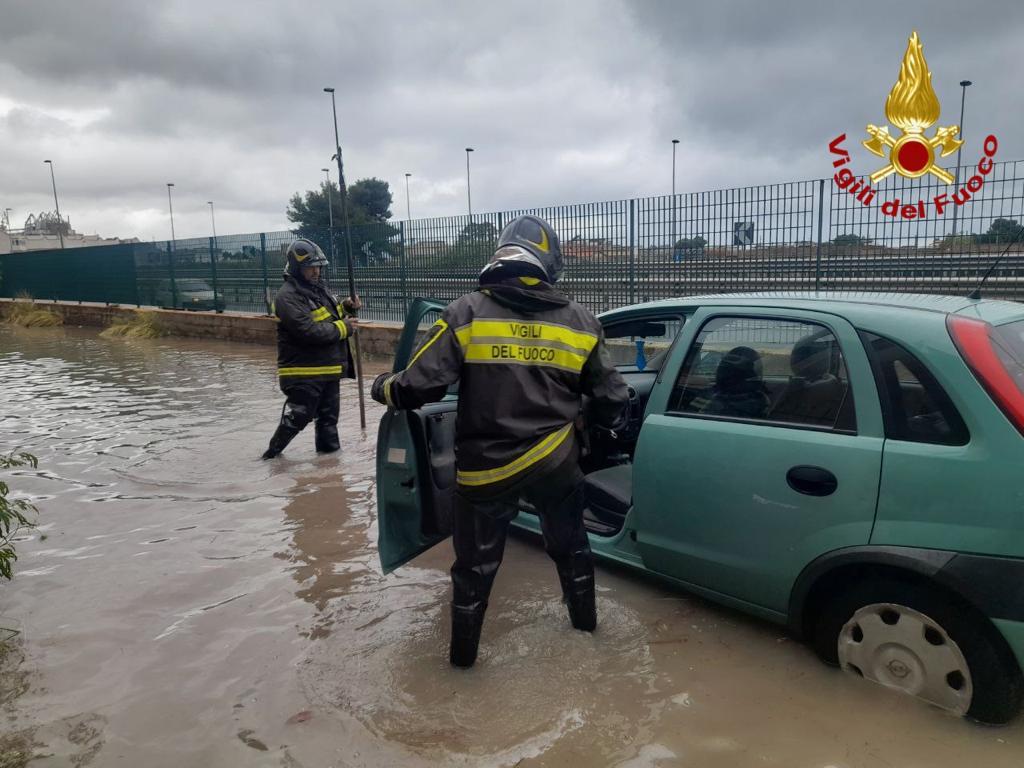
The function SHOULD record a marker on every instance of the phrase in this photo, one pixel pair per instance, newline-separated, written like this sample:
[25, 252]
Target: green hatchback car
[850, 465]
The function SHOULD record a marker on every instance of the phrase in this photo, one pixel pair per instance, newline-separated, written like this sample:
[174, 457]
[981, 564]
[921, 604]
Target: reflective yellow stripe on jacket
[539, 451]
[525, 343]
[313, 370]
[320, 313]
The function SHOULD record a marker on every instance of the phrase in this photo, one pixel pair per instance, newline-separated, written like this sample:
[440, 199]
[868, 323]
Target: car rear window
[1009, 346]
[915, 407]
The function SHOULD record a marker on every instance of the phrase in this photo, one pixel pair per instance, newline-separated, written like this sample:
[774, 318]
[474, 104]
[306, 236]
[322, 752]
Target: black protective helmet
[304, 253]
[531, 241]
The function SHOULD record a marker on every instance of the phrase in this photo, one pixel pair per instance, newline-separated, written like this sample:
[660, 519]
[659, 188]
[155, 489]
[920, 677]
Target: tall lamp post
[956, 184]
[60, 221]
[330, 209]
[469, 194]
[674, 143]
[348, 246]
[408, 209]
[170, 207]
[213, 223]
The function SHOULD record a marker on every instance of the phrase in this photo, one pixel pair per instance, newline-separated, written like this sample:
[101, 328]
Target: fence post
[174, 285]
[821, 213]
[213, 273]
[401, 264]
[263, 264]
[632, 251]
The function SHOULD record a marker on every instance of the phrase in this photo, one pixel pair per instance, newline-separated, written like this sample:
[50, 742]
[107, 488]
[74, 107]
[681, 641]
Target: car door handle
[812, 481]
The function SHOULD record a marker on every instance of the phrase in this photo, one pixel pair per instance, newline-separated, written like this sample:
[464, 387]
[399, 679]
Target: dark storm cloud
[563, 101]
[777, 79]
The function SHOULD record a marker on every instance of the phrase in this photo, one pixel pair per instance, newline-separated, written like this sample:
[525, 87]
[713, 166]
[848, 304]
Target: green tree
[1001, 231]
[369, 210]
[479, 233]
[849, 239]
[13, 512]
[371, 201]
[689, 246]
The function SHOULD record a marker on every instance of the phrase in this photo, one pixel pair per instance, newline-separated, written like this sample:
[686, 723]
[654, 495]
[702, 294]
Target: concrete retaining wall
[376, 338]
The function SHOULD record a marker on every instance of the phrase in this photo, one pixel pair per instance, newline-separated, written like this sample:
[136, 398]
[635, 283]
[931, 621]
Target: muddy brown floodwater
[183, 603]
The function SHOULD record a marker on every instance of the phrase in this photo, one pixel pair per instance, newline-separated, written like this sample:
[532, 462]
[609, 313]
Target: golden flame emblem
[912, 107]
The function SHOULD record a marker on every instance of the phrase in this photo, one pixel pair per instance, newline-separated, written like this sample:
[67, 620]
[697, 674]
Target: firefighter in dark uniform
[525, 356]
[313, 353]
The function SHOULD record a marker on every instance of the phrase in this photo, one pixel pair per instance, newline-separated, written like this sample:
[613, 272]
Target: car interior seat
[739, 386]
[813, 395]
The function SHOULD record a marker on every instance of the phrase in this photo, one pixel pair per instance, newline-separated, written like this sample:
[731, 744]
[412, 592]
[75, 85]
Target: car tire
[993, 673]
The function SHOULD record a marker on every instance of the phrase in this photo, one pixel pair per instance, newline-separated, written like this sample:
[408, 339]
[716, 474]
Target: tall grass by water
[24, 313]
[141, 325]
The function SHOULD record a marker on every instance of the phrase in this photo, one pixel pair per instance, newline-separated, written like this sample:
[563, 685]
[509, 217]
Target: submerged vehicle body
[849, 465]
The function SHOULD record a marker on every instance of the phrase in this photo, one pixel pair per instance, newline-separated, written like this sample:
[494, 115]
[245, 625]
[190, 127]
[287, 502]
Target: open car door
[415, 462]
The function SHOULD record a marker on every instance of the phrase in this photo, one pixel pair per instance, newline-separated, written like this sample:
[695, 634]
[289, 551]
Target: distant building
[35, 239]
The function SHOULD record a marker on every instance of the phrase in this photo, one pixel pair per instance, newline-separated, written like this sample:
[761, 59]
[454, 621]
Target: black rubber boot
[282, 436]
[583, 607]
[467, 622]
[326, 424]
[577, 577]
[327, 438]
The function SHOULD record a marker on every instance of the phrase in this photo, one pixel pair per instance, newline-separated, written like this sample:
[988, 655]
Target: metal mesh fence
[890, 245]
[804, 235]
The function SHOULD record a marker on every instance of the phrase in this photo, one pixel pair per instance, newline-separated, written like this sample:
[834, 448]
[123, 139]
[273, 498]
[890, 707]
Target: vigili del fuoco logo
[913, 108]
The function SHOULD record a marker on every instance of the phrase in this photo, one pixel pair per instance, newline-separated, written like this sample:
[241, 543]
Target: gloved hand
[351, 306]
[377, 388]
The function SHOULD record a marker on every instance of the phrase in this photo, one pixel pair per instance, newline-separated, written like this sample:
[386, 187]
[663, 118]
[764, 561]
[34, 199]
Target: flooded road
[185, 604]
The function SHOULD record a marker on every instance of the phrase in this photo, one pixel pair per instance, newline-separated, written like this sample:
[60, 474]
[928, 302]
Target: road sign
[743, 233]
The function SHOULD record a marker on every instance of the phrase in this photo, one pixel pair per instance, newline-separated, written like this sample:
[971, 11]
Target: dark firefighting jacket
[312, 335]
[524, 356]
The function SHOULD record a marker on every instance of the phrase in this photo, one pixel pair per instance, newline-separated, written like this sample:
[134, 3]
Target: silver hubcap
[900, 648]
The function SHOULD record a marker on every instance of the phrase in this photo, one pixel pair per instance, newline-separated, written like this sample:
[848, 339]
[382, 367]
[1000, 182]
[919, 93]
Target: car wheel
[917, 640]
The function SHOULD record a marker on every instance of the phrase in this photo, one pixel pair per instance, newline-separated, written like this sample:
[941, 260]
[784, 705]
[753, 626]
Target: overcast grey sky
[563, 101]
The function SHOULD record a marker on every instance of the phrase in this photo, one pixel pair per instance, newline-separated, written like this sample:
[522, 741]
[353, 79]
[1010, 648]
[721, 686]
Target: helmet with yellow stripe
[304, 253]
[529, 246]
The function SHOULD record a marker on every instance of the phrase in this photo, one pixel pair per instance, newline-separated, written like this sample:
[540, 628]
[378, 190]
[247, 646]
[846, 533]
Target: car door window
[915, 407]
[780, 371]
[642, 342]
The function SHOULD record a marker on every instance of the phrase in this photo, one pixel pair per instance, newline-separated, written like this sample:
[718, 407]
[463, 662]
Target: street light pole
[408, 209]
[956, 184]
[213, 223]
[170, 207]
[60, 222]
[348, 246]
[469, 194]
[674, 143]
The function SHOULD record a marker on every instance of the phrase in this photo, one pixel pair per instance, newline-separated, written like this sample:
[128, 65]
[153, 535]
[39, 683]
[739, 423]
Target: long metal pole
[60, 222]
[408, 208]
[170, 207]
[348, 245]
[330, 211]
[469, 194]
[956, 184]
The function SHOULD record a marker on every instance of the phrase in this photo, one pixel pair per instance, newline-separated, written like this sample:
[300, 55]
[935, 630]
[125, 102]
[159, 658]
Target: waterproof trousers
[479, 532]
[306, 401]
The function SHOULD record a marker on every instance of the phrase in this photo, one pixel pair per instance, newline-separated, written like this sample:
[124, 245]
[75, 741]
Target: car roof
[853, 304]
